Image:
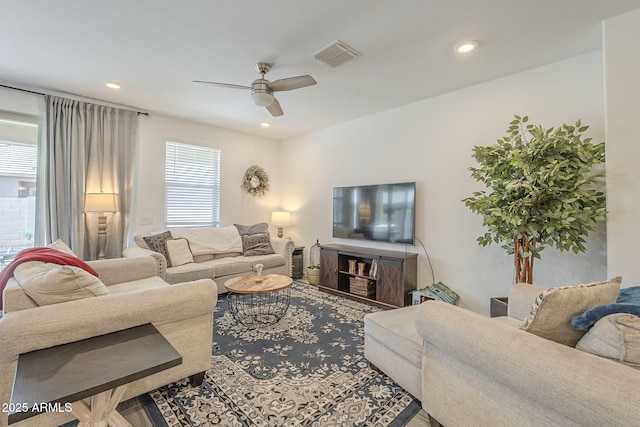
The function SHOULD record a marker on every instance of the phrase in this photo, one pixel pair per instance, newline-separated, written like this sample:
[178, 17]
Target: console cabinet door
[329, 268]
[390, 288]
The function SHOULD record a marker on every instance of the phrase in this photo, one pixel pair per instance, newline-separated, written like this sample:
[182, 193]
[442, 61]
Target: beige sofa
[468, 369]
[183, 313]
[217, 254]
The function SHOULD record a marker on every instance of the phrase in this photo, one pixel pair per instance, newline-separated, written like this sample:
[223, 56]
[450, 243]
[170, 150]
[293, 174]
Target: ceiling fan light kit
[262, 89]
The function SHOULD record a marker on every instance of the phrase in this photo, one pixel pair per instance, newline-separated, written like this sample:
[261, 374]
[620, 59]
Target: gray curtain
[89, 148]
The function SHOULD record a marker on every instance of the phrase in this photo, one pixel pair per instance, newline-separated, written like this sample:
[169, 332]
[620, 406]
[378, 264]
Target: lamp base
[102, 236]
[280, 232]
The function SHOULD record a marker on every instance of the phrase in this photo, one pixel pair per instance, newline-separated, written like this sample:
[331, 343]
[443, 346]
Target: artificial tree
[541, 191]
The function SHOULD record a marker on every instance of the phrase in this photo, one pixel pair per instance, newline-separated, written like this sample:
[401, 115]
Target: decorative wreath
[256, 181]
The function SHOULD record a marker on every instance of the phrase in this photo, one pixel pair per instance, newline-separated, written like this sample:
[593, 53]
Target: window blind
[192, 185]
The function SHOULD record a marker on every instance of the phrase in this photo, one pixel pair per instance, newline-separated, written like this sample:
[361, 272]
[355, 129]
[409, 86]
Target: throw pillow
[246, 230]
[62, 246]
[179, 251]
[587, 319]
[47, 283]
[257, 244]
[616, 337]
[630, 295]
[156, 243]
[554, 308]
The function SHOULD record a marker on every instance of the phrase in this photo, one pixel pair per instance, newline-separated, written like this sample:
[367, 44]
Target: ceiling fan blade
[292, 83]
[275, 109]
[229, 85]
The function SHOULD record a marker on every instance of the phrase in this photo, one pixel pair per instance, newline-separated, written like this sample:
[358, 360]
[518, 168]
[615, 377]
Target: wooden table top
[248, 284]
[70, 372]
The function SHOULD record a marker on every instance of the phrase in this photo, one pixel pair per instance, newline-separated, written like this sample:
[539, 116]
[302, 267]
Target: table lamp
[280, 219]
[101, 203]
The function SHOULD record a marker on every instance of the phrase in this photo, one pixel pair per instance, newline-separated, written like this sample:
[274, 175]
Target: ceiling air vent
[337, 53]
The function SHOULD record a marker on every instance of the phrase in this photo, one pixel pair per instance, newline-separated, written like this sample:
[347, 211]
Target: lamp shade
[281, 218]
[100, 202]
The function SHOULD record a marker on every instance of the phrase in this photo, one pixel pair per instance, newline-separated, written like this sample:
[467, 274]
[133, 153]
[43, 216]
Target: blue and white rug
[306, 370]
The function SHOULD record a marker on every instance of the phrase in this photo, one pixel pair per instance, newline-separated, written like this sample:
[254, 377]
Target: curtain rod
[43, 92]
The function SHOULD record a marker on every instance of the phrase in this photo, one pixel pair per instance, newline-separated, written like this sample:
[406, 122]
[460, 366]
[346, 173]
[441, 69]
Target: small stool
[392, 345]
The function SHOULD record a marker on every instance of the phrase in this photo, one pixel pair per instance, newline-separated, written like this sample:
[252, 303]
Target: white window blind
[192, 185]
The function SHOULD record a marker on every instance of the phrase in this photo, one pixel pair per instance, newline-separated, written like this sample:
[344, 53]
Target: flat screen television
[383, 213]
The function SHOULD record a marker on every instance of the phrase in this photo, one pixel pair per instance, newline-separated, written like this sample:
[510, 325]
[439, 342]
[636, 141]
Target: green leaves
[539, 184]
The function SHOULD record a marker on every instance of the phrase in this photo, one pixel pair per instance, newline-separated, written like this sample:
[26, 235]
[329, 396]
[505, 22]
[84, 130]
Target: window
[192, 185]
[19, 136]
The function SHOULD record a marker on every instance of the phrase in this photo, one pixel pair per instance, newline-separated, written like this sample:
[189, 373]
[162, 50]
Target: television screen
[384, 213]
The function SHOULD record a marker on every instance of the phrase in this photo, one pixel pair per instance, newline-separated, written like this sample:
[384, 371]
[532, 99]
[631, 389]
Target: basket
[362, 287]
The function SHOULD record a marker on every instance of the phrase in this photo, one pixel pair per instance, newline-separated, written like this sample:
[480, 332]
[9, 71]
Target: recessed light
[112, 85]
[467, 46]
[265, 124]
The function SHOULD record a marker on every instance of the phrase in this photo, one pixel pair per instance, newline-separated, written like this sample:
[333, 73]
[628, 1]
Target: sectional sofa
[530, 368]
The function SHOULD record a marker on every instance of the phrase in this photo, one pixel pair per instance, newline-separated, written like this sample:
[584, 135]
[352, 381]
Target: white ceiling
[155, 48]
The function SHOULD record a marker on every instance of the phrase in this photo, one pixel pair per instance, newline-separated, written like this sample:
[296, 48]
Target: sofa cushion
[49, 283]
[137, 285]
[178, 251]
[268, 261]
[156, 243]
[191, 272]
[246, 230]
[616, 336]
[257, 244]
[554, 308]
[228, 266]
[397, 331]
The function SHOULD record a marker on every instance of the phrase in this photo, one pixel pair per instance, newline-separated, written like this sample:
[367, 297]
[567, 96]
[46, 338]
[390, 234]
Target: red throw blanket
[45, 255]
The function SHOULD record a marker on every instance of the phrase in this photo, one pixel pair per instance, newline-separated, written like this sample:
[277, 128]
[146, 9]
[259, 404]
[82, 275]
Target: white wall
[17, 101]
[622, 89]
[239, 151]
[430, 142]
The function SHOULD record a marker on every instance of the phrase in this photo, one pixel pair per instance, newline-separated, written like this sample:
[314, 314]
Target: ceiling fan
[262, 89]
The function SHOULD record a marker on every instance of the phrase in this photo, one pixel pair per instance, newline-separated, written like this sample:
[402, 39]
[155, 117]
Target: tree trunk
[523, 264]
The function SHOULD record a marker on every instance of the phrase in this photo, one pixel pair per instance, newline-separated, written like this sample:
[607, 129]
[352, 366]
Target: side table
[99, 367]
[296, 259]
[499, 306]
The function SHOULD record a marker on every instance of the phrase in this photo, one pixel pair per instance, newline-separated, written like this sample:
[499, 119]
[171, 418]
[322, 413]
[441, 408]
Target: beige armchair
[183, 313]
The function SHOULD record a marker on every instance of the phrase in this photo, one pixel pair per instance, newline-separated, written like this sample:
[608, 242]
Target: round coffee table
[262, 303]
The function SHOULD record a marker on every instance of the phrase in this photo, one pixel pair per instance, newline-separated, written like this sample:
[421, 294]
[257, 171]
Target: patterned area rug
[306, 370]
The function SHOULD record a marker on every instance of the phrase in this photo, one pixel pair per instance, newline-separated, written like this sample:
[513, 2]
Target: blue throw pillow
[628, 302]
[629, 295]
[586, 320]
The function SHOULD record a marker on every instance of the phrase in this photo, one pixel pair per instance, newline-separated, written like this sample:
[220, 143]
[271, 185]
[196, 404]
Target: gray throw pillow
[156, 242]
[257, 244]
[246, 230]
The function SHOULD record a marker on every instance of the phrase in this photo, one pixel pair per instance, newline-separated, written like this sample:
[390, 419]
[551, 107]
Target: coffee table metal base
[254, 310]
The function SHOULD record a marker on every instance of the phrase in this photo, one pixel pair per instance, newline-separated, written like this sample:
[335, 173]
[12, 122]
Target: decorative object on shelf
[313, 269]
[280, 219]
[352, 266]
[373, 271]
[541, 191]
[361, 268]
[259, 268]
[256, 181]
[101, 203]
